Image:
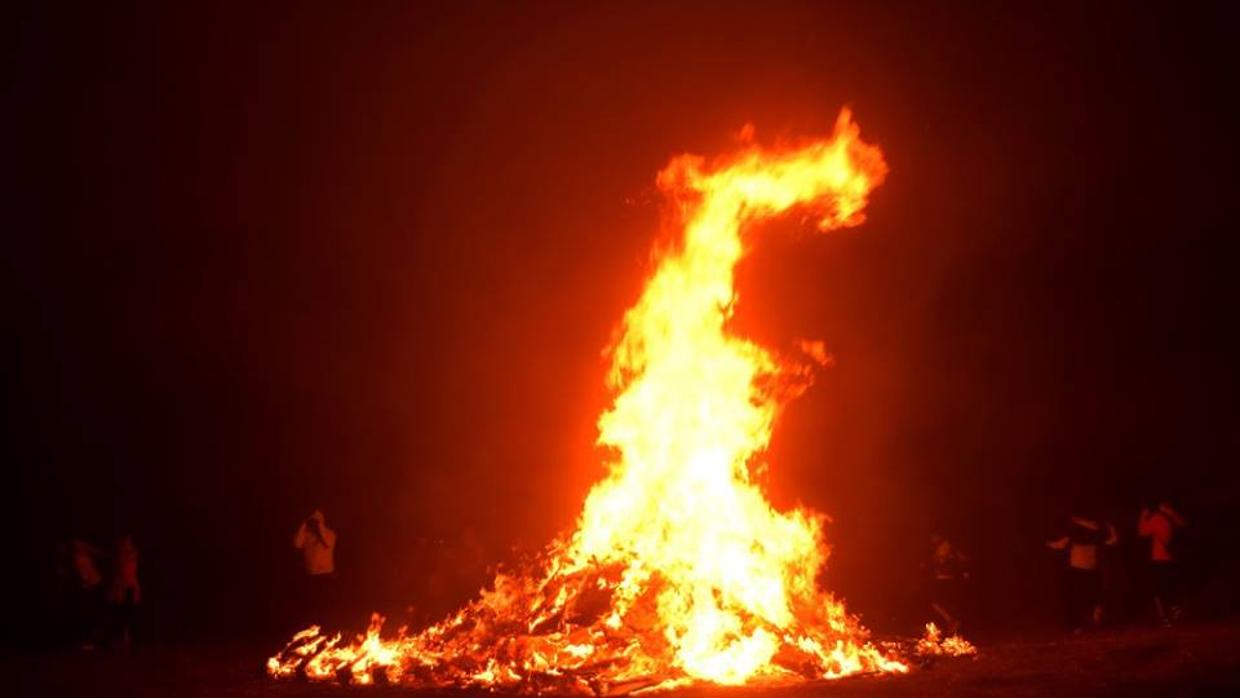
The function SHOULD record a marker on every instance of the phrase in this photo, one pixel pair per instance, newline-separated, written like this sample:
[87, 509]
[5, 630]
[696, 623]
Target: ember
[679, 570]
[934, 644]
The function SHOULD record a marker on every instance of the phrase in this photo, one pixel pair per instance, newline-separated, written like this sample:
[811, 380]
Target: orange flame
[679, 570]
[933, 644]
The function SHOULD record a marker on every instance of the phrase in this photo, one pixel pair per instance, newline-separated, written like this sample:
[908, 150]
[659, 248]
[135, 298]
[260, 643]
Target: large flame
[679, 570]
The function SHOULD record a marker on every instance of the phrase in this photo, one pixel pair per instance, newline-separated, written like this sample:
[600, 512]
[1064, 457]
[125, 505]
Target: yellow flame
[704, 579]
[690, 415]
[932, 643]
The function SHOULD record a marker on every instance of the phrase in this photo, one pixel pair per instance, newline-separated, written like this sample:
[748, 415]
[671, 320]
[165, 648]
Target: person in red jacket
[1159, 523]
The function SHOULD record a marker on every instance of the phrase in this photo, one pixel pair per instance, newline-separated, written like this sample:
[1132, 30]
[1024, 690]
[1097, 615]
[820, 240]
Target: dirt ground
[1194, 660]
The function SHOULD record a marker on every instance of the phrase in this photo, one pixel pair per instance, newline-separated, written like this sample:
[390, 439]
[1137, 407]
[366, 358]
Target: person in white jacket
[317, 543]
[1083, 538]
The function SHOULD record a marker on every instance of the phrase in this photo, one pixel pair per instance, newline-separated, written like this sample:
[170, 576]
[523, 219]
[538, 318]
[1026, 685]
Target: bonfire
[678, 570]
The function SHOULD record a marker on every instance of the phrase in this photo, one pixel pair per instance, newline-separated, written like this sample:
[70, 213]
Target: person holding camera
[1159, 522]
[317, 543]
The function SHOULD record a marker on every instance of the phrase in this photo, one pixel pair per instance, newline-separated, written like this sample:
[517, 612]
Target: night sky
[264, 259]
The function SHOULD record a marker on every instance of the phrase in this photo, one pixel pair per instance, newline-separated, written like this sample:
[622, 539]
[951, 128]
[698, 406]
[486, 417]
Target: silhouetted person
[66, 591]
[1083, 538]
[947, 572]
[124, 592]
[87, 583]
[1159, 523]
[317, 543]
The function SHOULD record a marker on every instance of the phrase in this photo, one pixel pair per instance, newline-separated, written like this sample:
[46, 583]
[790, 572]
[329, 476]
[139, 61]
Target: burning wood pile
[679, 571]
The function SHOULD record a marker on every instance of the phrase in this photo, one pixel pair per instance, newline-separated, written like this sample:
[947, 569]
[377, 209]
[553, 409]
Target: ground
[1194, 660]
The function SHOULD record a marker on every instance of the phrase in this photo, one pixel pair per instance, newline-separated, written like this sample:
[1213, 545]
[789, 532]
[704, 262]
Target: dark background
[259, 260]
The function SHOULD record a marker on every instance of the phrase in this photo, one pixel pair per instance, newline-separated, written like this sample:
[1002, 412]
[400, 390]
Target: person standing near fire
[1159, 523]
[124, 592]
[87, 583]
[1083, 591]
[947, 572]
[317, 543]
